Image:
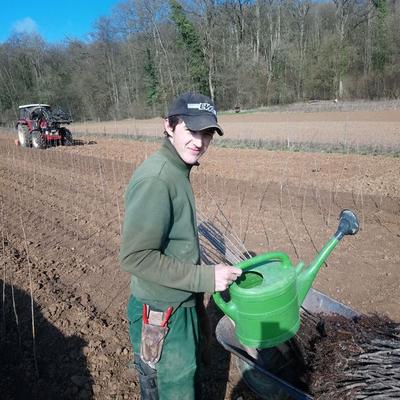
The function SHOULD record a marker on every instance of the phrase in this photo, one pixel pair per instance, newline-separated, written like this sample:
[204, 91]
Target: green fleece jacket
[160, 245]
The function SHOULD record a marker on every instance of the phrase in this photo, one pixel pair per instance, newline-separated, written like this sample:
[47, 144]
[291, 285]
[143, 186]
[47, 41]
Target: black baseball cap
[197, 111]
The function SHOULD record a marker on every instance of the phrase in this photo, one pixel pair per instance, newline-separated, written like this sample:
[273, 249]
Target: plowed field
[61, 211]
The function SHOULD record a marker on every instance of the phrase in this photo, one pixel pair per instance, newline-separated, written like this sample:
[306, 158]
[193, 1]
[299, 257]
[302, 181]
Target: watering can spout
[348, 225]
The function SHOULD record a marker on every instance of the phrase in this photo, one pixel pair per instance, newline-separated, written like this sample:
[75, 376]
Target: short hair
[173, 121]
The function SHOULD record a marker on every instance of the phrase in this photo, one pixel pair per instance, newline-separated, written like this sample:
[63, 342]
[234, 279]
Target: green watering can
[265, 301]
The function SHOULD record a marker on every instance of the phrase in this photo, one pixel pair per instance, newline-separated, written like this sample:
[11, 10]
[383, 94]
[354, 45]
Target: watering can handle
[265, 257]
[228, 307]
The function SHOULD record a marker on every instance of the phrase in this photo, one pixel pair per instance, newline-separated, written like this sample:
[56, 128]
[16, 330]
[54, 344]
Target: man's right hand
[225, 275]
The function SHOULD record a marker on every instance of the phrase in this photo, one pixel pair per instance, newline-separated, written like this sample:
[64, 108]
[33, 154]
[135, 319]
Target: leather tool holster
[154, 331]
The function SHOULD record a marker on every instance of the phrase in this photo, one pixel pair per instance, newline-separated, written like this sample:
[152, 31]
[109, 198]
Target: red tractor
[39, 127]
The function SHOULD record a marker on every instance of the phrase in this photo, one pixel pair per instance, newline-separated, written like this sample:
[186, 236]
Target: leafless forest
[243, 53]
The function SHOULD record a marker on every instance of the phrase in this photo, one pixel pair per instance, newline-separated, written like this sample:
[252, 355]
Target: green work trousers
[175, 372]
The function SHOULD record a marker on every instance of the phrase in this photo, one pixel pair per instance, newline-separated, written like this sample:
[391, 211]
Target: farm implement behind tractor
[39, 126]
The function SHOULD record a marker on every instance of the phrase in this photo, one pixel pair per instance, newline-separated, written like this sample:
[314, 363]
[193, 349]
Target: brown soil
[374, 127]
[61, 211]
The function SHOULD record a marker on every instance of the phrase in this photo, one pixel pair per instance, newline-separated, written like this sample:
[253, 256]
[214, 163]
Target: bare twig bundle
[219, 242]
[353, 359]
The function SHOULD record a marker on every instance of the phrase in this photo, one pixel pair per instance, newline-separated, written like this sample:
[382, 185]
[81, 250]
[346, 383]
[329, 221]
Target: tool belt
[154, 331]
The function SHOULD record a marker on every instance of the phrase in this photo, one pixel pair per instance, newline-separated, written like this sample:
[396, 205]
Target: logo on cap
[202, 107]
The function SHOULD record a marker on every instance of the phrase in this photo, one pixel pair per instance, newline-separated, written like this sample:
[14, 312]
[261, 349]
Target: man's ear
[167, 129]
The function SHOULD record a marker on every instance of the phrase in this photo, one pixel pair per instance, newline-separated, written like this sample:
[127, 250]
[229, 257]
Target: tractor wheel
[66, 137]
[24, 137]
[38, 142]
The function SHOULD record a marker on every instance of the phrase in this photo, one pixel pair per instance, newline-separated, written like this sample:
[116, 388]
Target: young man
[160, 249]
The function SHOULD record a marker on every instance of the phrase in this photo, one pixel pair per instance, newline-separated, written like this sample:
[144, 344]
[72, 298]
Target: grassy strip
[323, 106]
[342, 148]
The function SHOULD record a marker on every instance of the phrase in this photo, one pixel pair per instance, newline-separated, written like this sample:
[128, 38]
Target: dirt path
[68, 204]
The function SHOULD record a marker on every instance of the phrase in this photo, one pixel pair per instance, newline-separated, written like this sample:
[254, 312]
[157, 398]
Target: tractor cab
[39, 126]
[33, 111]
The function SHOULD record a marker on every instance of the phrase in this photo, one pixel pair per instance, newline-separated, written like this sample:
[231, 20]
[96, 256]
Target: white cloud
[27, 25]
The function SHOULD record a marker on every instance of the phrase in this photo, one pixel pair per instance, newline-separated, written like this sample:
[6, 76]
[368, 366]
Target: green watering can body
[265, 301]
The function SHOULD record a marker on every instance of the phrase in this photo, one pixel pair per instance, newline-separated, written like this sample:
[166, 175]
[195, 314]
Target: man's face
[190, 145]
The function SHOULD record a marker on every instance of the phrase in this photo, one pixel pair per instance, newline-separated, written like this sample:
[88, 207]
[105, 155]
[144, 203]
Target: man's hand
[225, 275]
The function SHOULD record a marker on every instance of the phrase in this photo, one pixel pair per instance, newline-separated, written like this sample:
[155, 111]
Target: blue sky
[54, 20]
